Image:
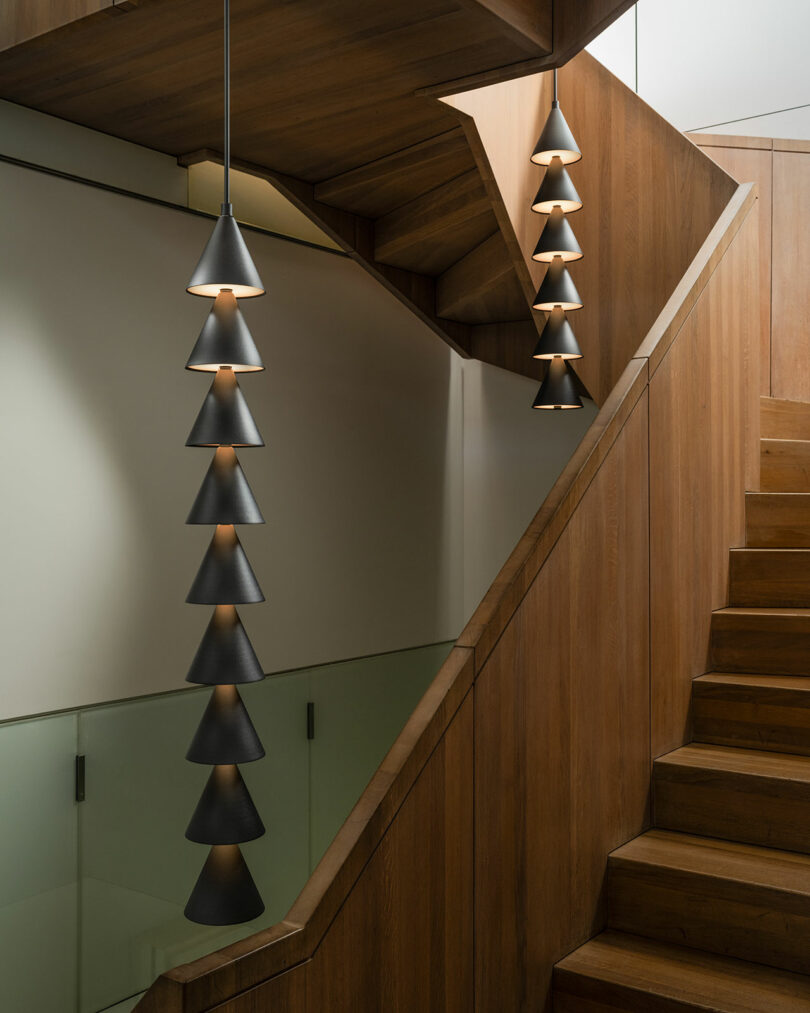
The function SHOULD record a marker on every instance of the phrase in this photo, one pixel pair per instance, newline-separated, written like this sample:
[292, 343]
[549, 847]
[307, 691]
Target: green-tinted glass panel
[360, 708]
[38, 851]
[138, 869]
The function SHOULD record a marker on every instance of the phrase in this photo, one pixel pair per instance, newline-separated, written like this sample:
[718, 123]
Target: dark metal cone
[224, 893]
[556, 139]
[558, 389]
[557, 238]
[225, 418]
[226, 263]
[225, 813]
[225, 496]
[556, 190]
[557, 289]
[225, 340]
[225, 576]
[225, 733]
[557, 338]
[225, 655]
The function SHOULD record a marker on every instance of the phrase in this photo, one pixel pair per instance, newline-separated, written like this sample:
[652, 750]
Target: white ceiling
[723, 66]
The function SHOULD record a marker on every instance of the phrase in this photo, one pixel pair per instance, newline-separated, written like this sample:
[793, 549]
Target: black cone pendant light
[225, 893]
[557, 247]
[558, 390]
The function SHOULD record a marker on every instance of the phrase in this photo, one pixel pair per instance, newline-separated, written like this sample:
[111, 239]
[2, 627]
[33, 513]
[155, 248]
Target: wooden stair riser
[437, 229]
[761, 641]
[784, 466]
[777, 520]
[574, 994]
[736, 919]
[784, 420]
[381, 186]
[769, 577]
[752, 712]
[620, 972]
[731, 805]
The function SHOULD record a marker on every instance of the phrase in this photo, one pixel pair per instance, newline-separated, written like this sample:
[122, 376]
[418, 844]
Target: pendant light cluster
[225, 817]
[557, 247]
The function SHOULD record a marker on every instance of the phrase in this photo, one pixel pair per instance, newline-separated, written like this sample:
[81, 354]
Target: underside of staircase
[710, 909]
[338, 104]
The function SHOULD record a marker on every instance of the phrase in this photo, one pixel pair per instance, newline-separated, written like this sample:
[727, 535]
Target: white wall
[721, 66]
[395, 480]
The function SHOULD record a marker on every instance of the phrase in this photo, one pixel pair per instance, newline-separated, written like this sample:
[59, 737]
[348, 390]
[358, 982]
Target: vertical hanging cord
[227, 154]
[555, 84]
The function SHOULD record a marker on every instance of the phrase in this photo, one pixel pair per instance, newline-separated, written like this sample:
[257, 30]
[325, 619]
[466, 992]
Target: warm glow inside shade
[225, 654]
[556, 140]
[557, 340]
[225, 813]
[225, 497]
[225, 576]
[225, 419]
[558, 391]
[225, 341]
[556, 191]
[226, 263]
[225, 733]
[557, 240]
[224, 893]
[557, 290]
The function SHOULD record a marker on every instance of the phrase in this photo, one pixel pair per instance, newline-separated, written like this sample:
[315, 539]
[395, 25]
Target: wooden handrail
[228, 972]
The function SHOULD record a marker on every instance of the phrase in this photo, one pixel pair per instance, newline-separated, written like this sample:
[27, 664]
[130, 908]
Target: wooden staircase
[710, 909]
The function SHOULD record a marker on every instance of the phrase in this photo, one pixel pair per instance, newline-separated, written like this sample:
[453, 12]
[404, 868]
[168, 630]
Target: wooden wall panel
[704, 436]
[755, 165]
[285, 994]
[637, 239]
[790, 367]
[411, 913]
[403, 940]
[561, 728]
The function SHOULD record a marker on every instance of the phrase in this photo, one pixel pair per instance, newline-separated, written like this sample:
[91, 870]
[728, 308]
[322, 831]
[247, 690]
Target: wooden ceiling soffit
[355, 235]
[576, 23]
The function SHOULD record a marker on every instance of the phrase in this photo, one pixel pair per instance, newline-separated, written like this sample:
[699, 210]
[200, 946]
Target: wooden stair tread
[797, 611]
[617, 966]
[700, 756]
[747, 864]
[793, 683]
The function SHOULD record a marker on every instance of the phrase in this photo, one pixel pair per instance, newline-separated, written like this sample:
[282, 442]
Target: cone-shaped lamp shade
[556, 191]
[225, 418]
[225, 576]
[225, 813]
[557, 340]
[557, 289]
[557, 240]
[556, 140]
[225, 655]
[225, 340]
[225, 496]
[225, 733]
[558, 389]
[225, 893]
[226, 263]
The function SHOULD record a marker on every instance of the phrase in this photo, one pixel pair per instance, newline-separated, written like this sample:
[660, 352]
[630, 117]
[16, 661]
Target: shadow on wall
[374, 446]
